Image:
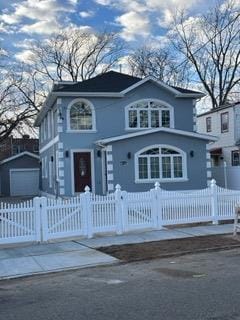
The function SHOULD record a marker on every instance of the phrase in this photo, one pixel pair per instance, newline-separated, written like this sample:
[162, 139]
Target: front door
[82, 171]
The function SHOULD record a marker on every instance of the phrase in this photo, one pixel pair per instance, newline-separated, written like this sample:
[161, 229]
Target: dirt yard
[168, 248]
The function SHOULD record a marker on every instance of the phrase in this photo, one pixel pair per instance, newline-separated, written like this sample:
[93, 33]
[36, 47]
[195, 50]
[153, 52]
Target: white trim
[60, 163]
[59, 101]
[209, 174]
[110, 176]
[24, 169]
[49, 144]
[109, 148]
[167, 130]
[164, 106]
[90, 104]
[149, 78]
[161, 180]
[110, 167]
[162, 85]
[61, 173]
[91, 151]
[110, 187]
[25, 153]
[88, 94]
[174, 179]
[109, 157]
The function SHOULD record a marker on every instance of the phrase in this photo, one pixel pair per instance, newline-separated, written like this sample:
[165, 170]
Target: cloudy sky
[137, 21]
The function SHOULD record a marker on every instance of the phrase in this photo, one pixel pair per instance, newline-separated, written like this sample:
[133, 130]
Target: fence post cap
[87, 189]
[213, 182]
[118, 187]
[157, 185]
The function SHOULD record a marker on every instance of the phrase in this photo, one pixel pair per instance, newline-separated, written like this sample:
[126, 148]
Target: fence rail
[43, 219]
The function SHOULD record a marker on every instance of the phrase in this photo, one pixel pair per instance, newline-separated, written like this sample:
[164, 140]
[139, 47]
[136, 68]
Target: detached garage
[20, 175]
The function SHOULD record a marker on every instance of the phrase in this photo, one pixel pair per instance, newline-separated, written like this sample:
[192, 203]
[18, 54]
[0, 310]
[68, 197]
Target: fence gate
[62, 218]
[19, 223]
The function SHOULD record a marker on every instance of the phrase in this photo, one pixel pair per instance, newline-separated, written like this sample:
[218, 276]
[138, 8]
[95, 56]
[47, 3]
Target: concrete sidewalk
[80, 253]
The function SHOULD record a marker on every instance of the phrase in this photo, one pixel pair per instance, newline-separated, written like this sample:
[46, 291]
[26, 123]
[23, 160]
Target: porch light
[129, 155]
[66, 153]
[191, 153]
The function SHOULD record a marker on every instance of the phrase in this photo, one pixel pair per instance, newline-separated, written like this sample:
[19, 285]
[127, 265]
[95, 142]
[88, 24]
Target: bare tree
[19, 103]
[211, 44]
[76, 55]
[160, 63]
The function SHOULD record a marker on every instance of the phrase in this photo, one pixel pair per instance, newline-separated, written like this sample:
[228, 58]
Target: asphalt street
[202, 286]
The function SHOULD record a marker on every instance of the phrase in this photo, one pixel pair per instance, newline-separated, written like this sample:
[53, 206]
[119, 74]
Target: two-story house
[223, 122]
[118, 129]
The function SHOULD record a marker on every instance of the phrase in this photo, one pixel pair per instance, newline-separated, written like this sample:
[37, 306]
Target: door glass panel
[82, 167]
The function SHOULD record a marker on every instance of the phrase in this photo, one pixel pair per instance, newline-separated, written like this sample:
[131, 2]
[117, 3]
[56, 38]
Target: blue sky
[137, 21]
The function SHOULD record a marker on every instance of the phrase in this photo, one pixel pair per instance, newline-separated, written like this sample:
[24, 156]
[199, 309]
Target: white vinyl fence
[87, 214]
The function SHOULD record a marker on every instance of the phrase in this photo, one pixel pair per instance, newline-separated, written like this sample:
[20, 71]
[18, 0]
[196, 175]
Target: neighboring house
[12, 146]
[224, 122]
[19, 167]
[116, 128]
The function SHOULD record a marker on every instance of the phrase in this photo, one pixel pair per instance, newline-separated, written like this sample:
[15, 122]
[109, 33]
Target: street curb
[22, 276]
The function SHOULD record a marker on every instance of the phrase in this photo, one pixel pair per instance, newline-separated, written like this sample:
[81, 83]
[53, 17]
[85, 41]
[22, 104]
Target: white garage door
[24, 182]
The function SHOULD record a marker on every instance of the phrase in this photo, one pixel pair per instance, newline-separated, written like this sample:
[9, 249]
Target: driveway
[192, 287]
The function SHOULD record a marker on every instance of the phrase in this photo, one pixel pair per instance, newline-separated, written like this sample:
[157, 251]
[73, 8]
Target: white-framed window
[160, 163]
[81, 116]
[149, 113]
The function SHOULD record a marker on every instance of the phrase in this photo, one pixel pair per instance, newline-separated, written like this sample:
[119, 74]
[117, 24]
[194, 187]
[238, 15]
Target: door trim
[91, 151]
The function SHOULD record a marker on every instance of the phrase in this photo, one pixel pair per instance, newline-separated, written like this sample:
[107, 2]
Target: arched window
[149, 113]
[81, 116]
[160, 162]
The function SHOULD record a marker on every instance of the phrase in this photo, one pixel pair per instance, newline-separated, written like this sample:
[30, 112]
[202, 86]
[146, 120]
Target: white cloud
[25, 56]
[134, 24]
[45, 15]
[41, 27]
[86, 14]
[104, 2]
[24, 44]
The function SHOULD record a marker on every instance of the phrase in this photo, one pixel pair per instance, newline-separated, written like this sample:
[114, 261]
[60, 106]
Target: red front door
[82, 171]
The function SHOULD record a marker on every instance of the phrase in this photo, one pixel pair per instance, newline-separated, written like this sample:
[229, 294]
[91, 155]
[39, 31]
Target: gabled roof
[219, 109]
[19, 155]
[167, 130]
[107, 82]
[112, 81]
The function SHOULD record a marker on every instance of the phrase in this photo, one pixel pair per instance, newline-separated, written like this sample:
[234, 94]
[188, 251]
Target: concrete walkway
[80, 253]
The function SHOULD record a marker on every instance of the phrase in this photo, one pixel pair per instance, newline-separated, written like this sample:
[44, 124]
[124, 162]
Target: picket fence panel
[18, 222]
[43, 219]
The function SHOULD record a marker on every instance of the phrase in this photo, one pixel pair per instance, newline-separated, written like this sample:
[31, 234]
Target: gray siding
[196, 165]
[19, 163]
[110, 121]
